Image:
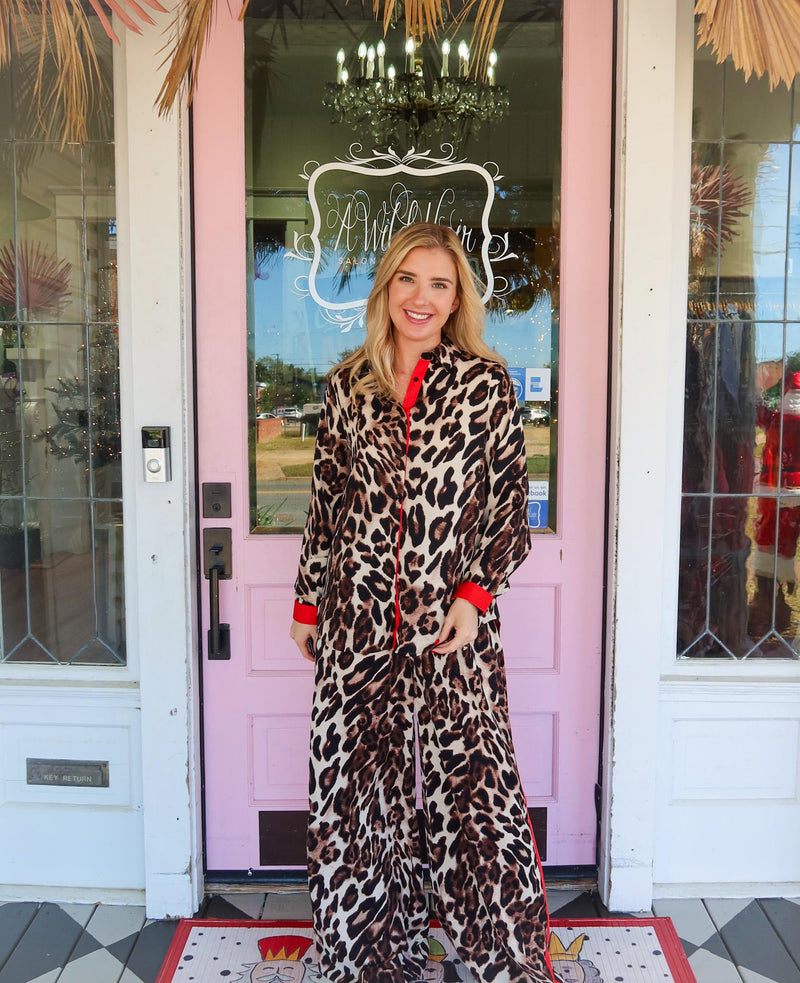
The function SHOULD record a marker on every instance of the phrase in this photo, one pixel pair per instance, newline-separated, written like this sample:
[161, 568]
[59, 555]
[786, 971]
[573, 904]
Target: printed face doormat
[632, 950]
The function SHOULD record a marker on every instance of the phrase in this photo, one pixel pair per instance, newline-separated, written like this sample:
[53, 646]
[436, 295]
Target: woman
[417, 518]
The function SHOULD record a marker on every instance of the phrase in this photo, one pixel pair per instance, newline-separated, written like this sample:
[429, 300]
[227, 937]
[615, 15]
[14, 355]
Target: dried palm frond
[719, 201]
[760, 35]
[61, 32]
[189, 32]
[487, 19]
[42, 277]
[423, 18]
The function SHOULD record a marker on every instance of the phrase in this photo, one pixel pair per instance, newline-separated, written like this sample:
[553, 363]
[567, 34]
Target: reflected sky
[290, 325]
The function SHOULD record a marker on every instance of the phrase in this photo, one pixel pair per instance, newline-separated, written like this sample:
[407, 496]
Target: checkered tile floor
[727, 941]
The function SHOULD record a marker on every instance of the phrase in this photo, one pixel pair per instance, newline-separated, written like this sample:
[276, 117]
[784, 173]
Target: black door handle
[216, 548]
[219, 636]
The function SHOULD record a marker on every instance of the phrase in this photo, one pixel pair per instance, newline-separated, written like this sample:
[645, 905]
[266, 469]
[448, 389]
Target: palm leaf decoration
[759, 35]
[59, 33]
[720, 199]
[40, 277]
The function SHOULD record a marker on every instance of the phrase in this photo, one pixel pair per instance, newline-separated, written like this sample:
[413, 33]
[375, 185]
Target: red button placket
[409, 400]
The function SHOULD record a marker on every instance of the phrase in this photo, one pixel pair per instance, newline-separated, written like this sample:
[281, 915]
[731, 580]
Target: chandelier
[380, 99]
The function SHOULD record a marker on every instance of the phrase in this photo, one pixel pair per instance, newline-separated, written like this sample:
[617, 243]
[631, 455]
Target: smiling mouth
[416, 315]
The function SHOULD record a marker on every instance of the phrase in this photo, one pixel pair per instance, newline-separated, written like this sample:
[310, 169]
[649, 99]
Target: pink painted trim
[476, 595]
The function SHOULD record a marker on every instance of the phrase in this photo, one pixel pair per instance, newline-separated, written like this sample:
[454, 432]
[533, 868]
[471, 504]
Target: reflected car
[539, 416]
[288, 412]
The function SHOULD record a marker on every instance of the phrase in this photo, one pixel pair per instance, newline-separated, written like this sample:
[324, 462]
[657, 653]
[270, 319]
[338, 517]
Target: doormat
[628, 950]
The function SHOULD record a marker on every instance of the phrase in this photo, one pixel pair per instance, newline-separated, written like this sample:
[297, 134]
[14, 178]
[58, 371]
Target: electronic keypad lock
[156, 454]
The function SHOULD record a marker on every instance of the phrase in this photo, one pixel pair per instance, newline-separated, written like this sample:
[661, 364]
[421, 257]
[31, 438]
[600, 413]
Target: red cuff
[306, 614]
[475, 595]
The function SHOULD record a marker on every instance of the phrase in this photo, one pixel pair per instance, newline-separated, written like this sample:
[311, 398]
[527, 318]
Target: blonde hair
[464, 327]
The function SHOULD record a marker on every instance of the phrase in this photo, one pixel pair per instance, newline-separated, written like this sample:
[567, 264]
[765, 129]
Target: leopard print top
[413, 504]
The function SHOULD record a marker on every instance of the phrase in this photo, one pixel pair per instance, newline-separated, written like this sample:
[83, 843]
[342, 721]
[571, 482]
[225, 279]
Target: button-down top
[413, 504]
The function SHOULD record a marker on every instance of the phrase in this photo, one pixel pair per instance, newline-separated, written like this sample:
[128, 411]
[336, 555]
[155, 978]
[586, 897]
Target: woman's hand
[461, 623]
[305, 638]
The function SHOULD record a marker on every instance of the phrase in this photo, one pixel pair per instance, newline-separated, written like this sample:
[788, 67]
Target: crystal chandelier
[378, 98]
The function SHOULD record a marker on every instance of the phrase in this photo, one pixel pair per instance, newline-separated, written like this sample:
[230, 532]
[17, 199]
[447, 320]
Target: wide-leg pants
[365, 872]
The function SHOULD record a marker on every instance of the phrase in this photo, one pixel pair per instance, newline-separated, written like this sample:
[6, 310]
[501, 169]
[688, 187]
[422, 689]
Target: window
[738, 596]
[328, 180]
[61, 575]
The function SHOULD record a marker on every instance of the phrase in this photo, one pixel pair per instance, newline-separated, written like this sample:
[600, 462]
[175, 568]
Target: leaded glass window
[740, 521]
[61, 577]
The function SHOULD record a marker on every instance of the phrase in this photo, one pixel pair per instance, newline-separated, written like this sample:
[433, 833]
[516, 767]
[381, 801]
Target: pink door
[256, 703]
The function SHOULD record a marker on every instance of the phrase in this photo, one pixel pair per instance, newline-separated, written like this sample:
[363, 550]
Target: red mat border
[665, 930]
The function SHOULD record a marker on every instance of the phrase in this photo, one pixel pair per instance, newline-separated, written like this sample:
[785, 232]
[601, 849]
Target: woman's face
[422, 296]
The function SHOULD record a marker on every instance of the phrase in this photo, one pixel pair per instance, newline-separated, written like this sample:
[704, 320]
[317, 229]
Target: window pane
[698, 410]
[753, 225]
[793, 265]
[708, 86]
[49, 241]
[61, 574]
[752, 112]
[307, 281]
[101, 232]
[741, 464]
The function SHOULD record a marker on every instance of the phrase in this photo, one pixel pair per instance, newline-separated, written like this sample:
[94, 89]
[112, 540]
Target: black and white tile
[726, 940]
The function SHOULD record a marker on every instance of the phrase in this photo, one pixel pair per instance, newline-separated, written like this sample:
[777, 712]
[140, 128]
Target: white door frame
[157, 387]
[644, 825]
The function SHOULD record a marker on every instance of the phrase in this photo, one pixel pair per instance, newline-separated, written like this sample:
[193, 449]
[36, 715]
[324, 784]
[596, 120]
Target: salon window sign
[359, 201]
[538, 492]
[530, 385]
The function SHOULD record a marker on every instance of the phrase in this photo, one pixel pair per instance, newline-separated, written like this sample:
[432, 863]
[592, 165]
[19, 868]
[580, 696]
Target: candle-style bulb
[370, 61]
[381, 53]
[410, 47]
[445, 58]
[340, 56]
[345, 76]
[463, 50]
[362, 50]
[381, 49]
[339, 64]
[391, 73]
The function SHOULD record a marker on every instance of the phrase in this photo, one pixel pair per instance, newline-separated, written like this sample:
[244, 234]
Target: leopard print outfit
[412, 505]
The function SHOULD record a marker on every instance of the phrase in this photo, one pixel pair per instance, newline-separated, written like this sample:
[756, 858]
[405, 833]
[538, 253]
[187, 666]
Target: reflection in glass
[793, 264]
[698, 413]
[735, 409]
[708, 86]
[693, 579]
[753, 262]
[299, 288]
[101, 232]
[752, 112]
[61, 575]
[708, 185]
[741, 464]
[49, 246]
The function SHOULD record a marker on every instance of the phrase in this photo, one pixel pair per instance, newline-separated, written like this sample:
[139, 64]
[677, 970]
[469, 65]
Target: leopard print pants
[365, 875]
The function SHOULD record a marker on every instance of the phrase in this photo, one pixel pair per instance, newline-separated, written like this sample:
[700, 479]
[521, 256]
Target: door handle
[217, 563]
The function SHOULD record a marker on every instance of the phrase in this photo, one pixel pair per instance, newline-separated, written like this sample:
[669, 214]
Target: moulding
[23, 694]
[728, 889]
[71, 895]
